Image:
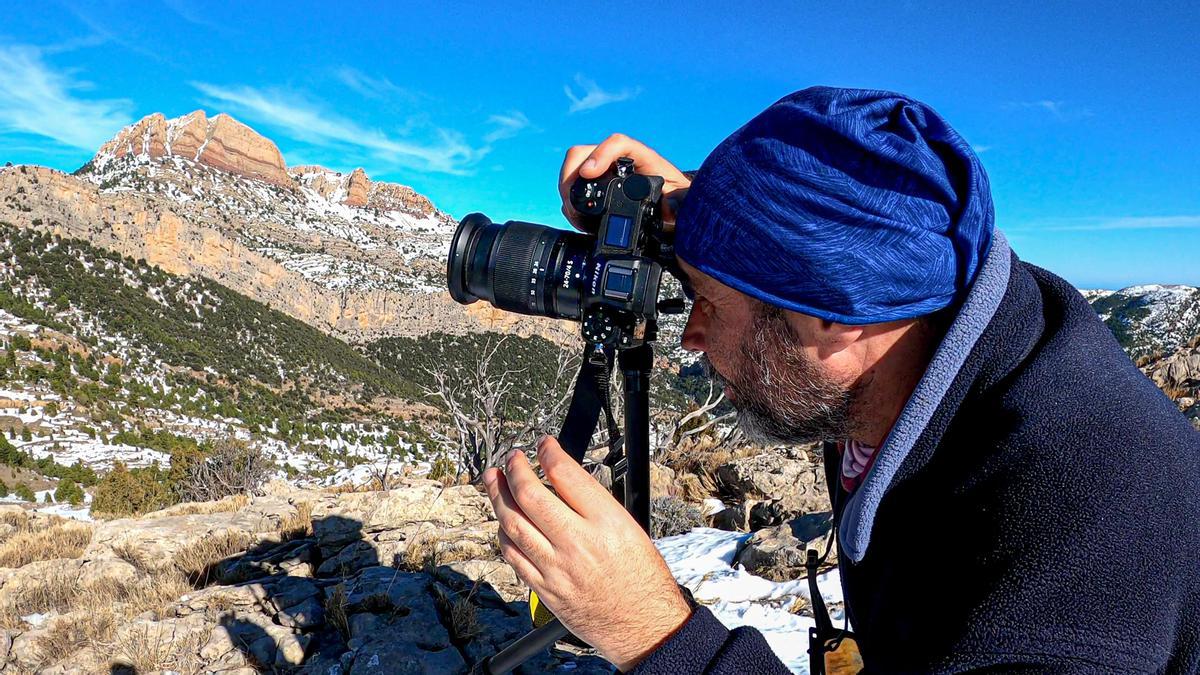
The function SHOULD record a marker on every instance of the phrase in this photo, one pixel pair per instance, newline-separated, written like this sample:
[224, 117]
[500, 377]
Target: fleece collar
[858, 517]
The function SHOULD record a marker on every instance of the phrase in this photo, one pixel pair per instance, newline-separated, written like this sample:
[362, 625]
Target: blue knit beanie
[851, 205]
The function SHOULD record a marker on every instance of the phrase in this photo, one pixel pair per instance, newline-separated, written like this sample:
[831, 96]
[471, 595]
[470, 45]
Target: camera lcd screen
[619, 283]
[618, 231]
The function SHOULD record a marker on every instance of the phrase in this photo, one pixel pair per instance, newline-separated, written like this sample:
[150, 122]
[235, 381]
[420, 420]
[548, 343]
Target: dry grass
[461, 611]
[152, 649]
[197, 559]
[701, 456]
[129, 553]
[45, 539]
[1176, 393]
[226, 505]
[801, 606]
[89, 627]
[18, 519]
[299, 524]
[91, 615]
[55, 591]
[429, 550]
[335, 611]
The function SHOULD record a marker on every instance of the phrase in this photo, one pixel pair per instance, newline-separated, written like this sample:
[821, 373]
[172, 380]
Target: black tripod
[632, 489]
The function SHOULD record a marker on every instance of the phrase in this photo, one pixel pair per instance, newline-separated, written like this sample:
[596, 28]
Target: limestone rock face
[1178, 371]
[357, 190]
[273, 604]
[220, 142]
[785, 483]
[358, 186]
[778, 553]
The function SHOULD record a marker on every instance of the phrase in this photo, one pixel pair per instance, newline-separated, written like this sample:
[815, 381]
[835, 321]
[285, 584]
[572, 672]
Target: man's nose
[693, 333]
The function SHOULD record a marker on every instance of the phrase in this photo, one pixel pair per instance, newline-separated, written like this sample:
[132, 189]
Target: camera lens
[519, 267]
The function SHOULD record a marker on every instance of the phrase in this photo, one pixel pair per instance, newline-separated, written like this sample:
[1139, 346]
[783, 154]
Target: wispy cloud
[506, 126]
[593, 96]
[372, 87]
[37, 99]
[1111, 224]
[193, 15]
[1060, 110]
[420, 146]
[980, 149]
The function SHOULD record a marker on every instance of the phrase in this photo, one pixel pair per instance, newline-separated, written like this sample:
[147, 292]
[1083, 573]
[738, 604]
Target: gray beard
[780, 395]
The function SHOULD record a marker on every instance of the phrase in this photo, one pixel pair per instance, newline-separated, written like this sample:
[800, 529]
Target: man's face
[781, 391]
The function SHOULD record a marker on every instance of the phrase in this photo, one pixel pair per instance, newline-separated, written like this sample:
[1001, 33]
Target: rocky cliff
[357, 258]
[220, 142]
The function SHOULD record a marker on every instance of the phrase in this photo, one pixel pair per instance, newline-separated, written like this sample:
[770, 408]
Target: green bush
[3, 489]
[443, 470]
[124, 491]
[25, 493]
[68, 491]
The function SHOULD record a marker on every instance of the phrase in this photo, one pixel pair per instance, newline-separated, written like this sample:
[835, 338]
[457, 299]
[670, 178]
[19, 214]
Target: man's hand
[591, 161]
[586, 557]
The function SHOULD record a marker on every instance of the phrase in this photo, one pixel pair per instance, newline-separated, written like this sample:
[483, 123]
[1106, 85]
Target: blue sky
[1083, 113]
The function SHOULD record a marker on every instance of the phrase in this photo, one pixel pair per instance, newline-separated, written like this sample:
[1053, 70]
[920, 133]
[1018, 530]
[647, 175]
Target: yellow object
[538, 611]
[845, 659]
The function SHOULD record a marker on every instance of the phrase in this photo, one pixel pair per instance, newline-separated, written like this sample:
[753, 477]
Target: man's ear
[826, 337]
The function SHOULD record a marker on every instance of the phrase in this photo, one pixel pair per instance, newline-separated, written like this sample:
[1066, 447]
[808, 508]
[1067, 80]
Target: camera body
[620, 306]
[607, 277]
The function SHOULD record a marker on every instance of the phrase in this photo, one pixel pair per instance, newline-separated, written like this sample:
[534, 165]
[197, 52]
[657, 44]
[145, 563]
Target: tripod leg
[635, 368]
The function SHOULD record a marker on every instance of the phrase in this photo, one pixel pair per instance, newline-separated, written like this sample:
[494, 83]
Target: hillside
[1150, 319]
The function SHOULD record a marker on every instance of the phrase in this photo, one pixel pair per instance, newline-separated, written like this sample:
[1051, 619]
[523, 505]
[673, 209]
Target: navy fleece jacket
[1036, 508]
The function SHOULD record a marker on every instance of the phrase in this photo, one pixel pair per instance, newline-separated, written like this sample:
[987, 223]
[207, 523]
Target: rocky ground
[321, 581]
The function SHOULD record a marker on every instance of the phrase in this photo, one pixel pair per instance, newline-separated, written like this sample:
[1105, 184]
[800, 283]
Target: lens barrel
[519, 267]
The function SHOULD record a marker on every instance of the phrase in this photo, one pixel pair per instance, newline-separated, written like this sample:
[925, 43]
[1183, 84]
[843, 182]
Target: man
[1011, 494]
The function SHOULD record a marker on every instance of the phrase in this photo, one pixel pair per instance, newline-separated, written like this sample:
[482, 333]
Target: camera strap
[592, 395]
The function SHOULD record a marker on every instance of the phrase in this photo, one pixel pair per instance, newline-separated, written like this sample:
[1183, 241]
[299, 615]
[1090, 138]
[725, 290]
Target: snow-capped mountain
[209, 196]
[1149, 319]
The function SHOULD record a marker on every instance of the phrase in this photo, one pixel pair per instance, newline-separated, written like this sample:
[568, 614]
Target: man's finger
[607, 153]
[515, 523]
[521, 564]
[573, 484]
[551, 516]
[567, 175]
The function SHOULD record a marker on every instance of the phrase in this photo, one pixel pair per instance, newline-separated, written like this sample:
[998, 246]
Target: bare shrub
[670, 516]
[480, 401]
[231, 468]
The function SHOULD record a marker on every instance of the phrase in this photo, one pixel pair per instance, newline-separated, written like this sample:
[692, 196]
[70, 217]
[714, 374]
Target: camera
[607, 277]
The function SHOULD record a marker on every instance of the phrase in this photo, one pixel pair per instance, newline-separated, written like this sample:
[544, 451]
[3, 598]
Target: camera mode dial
[599, 327]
